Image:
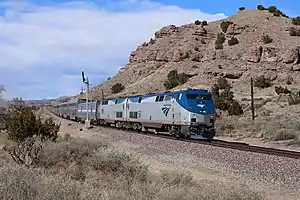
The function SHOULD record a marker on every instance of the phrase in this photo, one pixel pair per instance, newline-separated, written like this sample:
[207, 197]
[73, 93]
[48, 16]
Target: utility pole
[81, 90]
[102, 94]
[86, 81]
[252, 99]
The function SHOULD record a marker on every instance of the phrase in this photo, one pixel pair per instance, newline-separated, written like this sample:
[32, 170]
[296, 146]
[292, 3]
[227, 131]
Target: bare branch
[25, 153]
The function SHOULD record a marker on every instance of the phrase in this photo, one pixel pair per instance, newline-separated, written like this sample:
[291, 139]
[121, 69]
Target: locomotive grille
[193, 119]
[212, 121]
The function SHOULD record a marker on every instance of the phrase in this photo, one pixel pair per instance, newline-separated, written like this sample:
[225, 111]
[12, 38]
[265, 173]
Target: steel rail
[217, 143]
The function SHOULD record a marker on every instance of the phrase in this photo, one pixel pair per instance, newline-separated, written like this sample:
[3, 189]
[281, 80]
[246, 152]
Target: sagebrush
[116, 88]
[92, 169]
[175, 79]
[225, 100]
[262, 82]
[22, 123]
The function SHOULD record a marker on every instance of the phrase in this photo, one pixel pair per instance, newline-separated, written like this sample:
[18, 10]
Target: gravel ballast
[269, 169]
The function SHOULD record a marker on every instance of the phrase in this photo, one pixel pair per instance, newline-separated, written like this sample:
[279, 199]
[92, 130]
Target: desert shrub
[233, 41]
[224, 25]
[152, 41]
[108, 174]
[272, 9]
[218, 46]
[261, 7]
[222, 83]
[118, 87]
[175, 79]
[262, 82]
[224, 100]
[296, 20]
[34, 184]
[16, 104]
[281, 90]
[21, 123]
[242, 8]
[116, 162]
[69, 150]
[219, 41]
[204, 23]
[284, 15]
[197, 22]
[282, 128]
[220, 38]
[294, 98]
[267, 39]
[25, 153]
[277, 13]
[235, 108]
[294, 32]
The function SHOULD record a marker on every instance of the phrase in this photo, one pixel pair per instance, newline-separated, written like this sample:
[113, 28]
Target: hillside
[263, 45]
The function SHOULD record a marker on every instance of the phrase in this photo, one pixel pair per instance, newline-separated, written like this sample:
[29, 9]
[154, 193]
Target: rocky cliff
[191, 49]
[263, 46]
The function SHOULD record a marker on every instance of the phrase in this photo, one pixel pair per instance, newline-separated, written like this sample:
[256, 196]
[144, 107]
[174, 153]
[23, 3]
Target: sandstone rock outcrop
[292, 55]
[190, 48]
[253, 54]
[270, 54]
[166, 31]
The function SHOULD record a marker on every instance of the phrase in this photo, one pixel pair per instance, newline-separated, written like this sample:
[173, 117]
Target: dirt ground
[158, 161]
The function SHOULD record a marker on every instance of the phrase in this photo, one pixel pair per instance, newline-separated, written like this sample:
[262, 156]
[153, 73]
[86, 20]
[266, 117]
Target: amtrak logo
[200, 105]
[166, 110]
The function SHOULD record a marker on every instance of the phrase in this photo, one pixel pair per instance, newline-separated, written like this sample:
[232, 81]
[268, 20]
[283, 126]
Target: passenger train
[182, 113]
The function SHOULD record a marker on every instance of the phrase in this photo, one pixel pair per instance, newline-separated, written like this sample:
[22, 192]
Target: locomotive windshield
[198, 96]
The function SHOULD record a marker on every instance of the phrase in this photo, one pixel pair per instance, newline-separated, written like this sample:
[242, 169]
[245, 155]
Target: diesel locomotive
[183, 113]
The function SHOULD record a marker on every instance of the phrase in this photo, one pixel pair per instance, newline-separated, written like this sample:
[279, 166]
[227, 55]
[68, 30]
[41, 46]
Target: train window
[133, 115]
[119, 114]
[140, 99]
[157, 97]
[168, 98]
[104, 102]
[199, 97]
[116, 101]
[161, 98]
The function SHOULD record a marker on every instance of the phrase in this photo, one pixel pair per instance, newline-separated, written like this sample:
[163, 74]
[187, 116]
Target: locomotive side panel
[156, 111]
[120, 109]
[107, 111]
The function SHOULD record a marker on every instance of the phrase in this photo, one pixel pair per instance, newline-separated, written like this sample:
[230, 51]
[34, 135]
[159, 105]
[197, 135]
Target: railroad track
[221, 143]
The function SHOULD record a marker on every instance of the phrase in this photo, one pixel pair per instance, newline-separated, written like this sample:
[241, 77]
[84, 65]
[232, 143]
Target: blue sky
[291, 7]
[45, 44]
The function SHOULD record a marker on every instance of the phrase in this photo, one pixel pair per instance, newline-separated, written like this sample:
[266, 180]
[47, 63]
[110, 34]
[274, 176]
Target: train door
[97, 110]
[175, 109]
[125, 109]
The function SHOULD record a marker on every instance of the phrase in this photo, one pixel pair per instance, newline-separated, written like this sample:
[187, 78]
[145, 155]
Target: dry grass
[269, 128]
[85, 169]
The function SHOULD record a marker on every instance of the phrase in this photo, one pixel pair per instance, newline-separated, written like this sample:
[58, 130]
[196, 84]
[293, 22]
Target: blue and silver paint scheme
[82, 111]
[190, 112]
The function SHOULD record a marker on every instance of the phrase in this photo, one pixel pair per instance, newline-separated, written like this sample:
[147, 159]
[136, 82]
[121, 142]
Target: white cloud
[44, 48]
